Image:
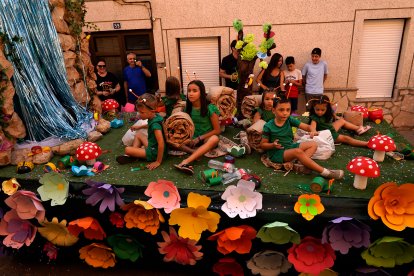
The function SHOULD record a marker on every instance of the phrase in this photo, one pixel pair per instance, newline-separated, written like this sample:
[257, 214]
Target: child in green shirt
[277, 140]
[264, 112]
[205, 117]
[154, 146]
[172, 94]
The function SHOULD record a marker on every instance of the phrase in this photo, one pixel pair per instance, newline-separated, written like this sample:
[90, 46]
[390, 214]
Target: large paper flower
[97, 255]
[54, 187]
[57, 233]
[18, 232]
[125, 247]
[309, 206]
[10, 186]
[344, 233]
[194, 219]
[142, 215]
[180, 250]
[89, 226]
[279, 233]
[394, 205]
[117, 219]
[237, 238]
[389, 252]
[163, 194]
[268, 263]
[107, 193]
[311, 256]
[228, 266]
[27, 205]
[241, 200]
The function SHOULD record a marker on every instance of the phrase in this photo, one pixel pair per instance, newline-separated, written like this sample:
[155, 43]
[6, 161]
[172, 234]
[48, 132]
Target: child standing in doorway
[321, 117]
[205, 117]
[264, 112]
[293, 80]
[154, 146]
[277, 140]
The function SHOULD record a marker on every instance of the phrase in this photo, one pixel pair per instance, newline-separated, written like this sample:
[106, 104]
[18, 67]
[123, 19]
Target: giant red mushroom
[363, 167]
[380, 144]
[109, 105]
[361, 109]
[88, 152]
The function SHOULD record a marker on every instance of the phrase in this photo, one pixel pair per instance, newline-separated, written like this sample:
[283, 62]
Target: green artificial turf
[272, 181]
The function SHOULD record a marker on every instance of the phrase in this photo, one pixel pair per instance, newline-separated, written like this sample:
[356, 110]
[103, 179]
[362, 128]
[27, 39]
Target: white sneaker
[335, 174]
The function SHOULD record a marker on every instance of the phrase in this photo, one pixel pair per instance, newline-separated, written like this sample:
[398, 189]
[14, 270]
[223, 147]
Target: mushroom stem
[360, 182]
[90, 162]
[379, 155]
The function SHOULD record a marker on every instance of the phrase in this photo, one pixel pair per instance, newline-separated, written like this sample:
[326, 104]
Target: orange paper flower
[142, 215]
[394, 205]
[57, 233]
[238, 238]
[309, 206]
[97, 255]
[194, 219]
[89, 226]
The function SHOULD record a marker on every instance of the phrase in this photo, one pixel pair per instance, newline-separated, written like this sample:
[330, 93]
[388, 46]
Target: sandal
[361, 130]
[125, 159]
[185, 168]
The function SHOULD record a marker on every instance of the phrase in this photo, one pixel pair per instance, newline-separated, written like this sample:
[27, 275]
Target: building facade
[368, 45]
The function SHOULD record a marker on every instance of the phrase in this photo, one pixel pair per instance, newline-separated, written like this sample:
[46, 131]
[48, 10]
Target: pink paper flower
[311, 256]
[27, 205]
[241, 200]
[17, 231]
[163, 194]
[344, 233]
[180, 250]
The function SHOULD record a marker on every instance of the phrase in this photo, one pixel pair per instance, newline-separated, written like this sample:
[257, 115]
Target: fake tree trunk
[360, 182]
[244, 69]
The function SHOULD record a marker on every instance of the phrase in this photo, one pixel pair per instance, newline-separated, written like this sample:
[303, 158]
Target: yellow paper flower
[10, 186]
[57, 233]
[194, 219]
[309, 206]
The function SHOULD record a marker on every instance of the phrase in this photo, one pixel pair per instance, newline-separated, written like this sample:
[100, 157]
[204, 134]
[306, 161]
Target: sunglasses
[101, 66]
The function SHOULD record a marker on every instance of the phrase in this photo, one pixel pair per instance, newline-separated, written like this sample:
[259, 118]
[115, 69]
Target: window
[378, 57]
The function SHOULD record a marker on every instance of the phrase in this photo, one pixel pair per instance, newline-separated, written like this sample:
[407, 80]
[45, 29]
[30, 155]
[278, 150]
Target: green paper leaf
[303, 209]
[312, 201]
[313, 210]
[302, 201]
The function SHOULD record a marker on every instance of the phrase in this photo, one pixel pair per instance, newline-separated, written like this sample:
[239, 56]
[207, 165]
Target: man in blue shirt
[134, 78]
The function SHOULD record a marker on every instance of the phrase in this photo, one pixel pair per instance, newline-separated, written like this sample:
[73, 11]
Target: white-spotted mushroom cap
[363, 166]
[88, 151]
[381, 143]
[109, 104]
[362, 109]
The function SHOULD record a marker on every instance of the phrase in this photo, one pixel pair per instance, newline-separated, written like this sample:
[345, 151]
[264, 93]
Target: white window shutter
[200, 55]
[378, 57]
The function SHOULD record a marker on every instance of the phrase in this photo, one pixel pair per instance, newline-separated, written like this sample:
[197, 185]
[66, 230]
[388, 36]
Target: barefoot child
[154, 145]
[265, 112]
[206, 122]
[277, 140]
[323, 117]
